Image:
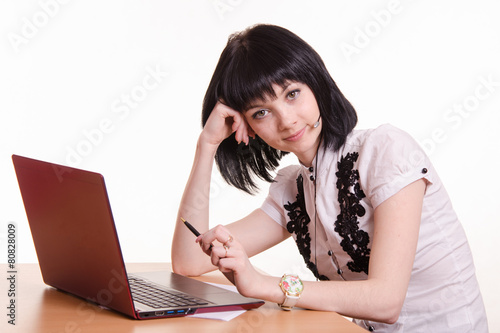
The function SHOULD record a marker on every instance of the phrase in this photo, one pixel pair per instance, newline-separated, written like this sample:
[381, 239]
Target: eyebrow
[287, 84]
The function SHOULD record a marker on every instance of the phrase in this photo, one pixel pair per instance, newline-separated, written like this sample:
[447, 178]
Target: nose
[287, 119]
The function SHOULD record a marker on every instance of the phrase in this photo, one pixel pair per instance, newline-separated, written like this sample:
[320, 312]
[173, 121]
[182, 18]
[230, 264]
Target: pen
[193, 230]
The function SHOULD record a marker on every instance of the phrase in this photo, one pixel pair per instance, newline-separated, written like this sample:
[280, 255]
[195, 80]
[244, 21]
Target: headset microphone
[316, 124]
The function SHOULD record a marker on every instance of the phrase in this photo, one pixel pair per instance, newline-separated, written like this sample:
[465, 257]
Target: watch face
[292, 285]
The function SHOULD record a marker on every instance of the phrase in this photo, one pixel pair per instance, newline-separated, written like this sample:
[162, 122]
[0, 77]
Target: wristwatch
[292, 287]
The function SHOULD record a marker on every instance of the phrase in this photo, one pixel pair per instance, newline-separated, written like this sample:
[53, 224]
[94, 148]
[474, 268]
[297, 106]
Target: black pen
[193, 230]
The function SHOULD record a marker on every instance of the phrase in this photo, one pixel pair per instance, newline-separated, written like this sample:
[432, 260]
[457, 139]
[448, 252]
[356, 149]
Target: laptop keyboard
[158, 297]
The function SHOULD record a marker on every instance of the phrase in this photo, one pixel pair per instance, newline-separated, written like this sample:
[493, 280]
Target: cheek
[257, 126]
[264, 132]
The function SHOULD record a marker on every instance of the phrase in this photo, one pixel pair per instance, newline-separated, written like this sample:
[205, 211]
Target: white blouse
[334, 235]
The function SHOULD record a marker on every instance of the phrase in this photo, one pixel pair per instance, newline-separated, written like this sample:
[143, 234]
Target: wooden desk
[40, 308]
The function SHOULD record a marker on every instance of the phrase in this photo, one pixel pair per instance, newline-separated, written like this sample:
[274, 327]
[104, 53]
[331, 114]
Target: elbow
[386, 302]
[181, 270]
[181, 265]
[391, 318]
[176, 265]
[389, 312]
[178, 269]
[187, 269]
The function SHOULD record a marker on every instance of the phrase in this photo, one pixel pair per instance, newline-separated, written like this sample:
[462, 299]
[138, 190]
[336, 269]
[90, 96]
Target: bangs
[245, 85]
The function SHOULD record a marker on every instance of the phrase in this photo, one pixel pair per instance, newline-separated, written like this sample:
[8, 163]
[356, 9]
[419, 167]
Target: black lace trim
[354, 240]
[299, 221]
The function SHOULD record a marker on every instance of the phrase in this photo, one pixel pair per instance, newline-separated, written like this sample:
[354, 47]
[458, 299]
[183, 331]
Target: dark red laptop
[78, 249]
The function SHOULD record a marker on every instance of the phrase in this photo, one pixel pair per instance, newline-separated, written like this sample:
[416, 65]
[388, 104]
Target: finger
[246, 131]
[206, 247]
[226, 111]
[214, 258]
[219, 253]
[236, 122]
[242, 132]
[232, 263]
[228, 242]
[219, 234]
[238, 129]
[225, 265]
[250, 131]
[210, 241]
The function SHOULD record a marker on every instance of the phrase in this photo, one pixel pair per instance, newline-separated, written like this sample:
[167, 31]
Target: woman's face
[287, 122]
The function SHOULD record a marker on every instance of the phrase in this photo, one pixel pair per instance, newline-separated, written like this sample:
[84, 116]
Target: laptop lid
[77, 245]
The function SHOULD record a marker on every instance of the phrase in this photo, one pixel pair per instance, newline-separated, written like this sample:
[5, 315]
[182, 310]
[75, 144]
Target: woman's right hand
[222, 122]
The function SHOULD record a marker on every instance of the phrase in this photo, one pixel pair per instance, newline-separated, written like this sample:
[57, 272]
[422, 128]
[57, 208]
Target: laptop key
[157, 297]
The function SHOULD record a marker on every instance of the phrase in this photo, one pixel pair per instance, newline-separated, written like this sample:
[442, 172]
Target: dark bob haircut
[252, 61]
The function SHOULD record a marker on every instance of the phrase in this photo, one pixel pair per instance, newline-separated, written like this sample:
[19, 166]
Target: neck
[307, 158]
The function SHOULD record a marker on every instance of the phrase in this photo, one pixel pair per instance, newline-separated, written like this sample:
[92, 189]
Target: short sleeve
[389, 160]
[281, 191]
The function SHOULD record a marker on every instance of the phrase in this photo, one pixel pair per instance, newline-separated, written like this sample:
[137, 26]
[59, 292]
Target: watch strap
[289, 302]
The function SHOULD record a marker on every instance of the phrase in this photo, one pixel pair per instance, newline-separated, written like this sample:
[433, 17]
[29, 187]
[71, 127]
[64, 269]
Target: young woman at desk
[366, 208]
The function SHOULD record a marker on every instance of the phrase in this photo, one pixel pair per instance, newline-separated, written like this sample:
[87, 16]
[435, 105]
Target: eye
[260, 114]
[293, 94]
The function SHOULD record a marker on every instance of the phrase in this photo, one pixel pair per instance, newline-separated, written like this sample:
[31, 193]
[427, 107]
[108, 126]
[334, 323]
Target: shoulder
[386, 143]
[389, 132]
[286, 177]
[379, 136]
[389, 159]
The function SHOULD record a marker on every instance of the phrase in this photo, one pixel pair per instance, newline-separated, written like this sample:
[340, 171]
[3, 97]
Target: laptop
[79, 253]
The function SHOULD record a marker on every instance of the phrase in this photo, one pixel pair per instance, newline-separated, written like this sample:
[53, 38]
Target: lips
[296, 136]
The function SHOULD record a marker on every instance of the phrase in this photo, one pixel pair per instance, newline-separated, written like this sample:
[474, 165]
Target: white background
[69, 68]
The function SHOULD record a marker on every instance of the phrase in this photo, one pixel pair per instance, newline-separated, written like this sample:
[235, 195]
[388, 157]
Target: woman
[366, 208]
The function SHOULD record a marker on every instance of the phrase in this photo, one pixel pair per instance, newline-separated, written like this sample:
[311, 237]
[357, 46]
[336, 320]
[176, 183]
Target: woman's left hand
[230, 257]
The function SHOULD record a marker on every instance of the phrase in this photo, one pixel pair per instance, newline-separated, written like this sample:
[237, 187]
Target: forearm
[366, 299]
[187, 258]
